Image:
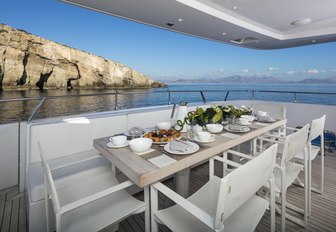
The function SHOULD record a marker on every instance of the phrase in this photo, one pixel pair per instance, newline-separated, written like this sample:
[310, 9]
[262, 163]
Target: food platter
[163, 136]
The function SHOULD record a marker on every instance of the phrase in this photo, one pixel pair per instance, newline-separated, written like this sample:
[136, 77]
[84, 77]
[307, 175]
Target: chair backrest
[274, 110]
[295, 143]
[316, 128]
[49, 181]
[240, 185]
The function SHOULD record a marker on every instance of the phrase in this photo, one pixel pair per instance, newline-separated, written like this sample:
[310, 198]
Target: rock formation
[29, 61]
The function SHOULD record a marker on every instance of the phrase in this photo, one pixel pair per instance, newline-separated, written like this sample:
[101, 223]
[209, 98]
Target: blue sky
[162, 54]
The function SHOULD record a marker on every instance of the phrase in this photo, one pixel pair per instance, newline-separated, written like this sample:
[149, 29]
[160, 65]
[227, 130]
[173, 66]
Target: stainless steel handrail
[168, 91]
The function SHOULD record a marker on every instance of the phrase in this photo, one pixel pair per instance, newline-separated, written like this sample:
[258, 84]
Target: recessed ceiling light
[180, 20]
[223, 33]
[235, 7]
[301, 22]
[313, 41]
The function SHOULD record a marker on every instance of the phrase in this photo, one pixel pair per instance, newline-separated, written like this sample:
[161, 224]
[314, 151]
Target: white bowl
[214, 128]
[163, 125]
[243, 121]
[140, 144]
[249, 118]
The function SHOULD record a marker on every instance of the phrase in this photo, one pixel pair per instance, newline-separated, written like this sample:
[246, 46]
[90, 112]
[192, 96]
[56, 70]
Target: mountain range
[250, 79]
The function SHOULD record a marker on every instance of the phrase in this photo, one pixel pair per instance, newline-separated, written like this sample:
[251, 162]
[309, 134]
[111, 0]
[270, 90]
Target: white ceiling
[260, 24]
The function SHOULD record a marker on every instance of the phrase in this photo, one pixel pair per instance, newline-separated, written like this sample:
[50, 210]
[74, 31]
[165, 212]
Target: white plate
[270, 119]
[112, 145]
[247, 124]
[246, 129]
[193, 148]
[212, 138]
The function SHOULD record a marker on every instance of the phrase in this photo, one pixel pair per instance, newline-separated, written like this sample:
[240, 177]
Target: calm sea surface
[21, 110]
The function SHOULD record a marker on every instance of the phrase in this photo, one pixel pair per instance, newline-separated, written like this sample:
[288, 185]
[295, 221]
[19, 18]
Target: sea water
[21, 110]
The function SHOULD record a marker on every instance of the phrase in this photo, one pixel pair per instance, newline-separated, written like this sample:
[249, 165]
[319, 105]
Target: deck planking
[323, 217]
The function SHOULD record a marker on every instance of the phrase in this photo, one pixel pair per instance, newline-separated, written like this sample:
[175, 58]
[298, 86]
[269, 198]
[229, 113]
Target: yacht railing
[169, 92]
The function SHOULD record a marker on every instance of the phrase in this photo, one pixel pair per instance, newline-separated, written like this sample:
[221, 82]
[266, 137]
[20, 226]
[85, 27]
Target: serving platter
[163, 136]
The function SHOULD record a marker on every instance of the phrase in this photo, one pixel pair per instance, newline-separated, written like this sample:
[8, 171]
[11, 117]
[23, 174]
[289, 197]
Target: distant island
[250, 80]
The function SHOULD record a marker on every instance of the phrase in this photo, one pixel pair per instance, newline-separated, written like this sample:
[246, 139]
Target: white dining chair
[222, 204]
[286, 172]
[316, 130]
[90, 204]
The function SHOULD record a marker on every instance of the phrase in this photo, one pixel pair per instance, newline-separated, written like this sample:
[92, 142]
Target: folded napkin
[179, 145]
[145, 152]
[230, 135]
[266, 118]
[162, 160]
[237, 127]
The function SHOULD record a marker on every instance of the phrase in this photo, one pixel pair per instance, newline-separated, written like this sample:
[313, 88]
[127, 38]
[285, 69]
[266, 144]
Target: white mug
[118, 140]
[204, 136]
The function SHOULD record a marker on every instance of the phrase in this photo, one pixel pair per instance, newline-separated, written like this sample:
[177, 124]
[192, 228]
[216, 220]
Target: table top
[142, 172]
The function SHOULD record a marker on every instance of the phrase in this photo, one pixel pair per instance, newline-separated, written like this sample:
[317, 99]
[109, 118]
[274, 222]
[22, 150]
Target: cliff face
[30, 61]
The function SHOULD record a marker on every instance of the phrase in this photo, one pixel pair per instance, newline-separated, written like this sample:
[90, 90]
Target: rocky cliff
[29, 61]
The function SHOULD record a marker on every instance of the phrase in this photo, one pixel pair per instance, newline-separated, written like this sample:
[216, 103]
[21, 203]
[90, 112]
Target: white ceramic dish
[265, 119]
[140, 144]
[118, 140]
[192, 149]
[244, 124]
[248, 117]
[111, 145]
[163, 125]
[212, 138]
[243, 130]
[127, 133]
[214, 128]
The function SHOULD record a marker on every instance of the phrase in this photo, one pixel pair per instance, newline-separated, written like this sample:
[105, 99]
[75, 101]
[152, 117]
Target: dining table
[141, 169]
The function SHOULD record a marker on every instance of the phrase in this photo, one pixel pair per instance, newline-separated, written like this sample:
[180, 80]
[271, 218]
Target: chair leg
[283, 200]
[154, 208]
[272, 203]
[322, 166]
[147, 210]
[309, 188]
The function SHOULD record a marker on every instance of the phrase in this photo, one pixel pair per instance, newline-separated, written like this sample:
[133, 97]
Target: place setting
[263, 116]
[181, 147]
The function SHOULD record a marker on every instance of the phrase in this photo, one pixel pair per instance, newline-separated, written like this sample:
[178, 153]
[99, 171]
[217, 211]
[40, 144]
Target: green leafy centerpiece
[214, 114]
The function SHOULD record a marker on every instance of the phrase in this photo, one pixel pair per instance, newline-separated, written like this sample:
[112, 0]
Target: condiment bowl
[214, 128]
[140, 144]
